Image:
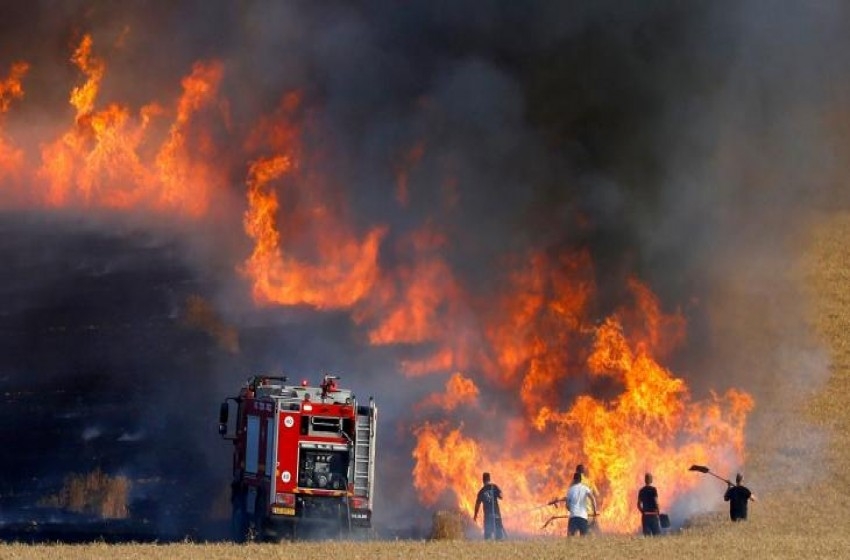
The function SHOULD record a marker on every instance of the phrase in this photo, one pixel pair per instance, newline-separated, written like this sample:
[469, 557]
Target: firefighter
[488, 497]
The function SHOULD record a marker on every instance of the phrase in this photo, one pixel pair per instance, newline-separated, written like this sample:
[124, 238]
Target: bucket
[665, 520]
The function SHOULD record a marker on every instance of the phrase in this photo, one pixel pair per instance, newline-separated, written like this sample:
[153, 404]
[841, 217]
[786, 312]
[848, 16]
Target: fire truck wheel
[255, 524]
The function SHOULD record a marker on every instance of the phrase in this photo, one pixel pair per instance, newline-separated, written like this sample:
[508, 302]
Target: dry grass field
[809, 519]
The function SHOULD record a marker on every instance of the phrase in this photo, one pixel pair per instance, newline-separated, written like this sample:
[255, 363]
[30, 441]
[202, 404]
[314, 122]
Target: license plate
[283, 510]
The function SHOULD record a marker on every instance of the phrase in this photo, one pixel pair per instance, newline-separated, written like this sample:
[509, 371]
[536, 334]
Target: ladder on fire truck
[364, 450]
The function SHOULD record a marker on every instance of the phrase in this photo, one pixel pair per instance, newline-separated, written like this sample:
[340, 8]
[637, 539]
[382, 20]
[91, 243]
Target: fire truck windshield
[325, 424]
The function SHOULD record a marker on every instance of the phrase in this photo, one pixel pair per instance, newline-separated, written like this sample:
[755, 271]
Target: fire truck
[303, 459]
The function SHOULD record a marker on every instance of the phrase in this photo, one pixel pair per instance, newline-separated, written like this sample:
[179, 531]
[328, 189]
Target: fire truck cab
[303, 459]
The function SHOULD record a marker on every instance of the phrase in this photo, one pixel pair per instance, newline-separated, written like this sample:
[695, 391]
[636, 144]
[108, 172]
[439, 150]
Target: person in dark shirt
[489, 497]
[647, 503]
[738, 497]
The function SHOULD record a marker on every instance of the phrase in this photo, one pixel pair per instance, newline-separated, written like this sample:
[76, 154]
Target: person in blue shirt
[488, 497]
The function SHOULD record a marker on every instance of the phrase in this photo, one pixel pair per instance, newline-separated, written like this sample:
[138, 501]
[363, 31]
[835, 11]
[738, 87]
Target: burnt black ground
[98, 370]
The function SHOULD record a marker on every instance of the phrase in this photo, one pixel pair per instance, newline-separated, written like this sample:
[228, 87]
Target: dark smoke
[683, 143]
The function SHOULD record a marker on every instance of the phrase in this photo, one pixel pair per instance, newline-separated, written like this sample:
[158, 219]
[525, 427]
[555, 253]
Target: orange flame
[349, 266]
[186, 180]
[444, 458]
[11, 158]
[647, 420]
[83, 97]
[11, 87]
[105, 158]
[419, 302]
[346, 269]
[460, 390]
[410, 299]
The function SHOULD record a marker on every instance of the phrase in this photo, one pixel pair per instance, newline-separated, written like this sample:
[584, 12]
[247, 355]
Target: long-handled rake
[590, 516]
[705, 470]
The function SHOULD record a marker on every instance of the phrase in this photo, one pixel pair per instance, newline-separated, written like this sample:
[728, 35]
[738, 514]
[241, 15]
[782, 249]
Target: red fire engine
[303, 458]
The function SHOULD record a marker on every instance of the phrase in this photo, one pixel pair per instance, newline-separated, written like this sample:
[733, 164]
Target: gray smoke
[685, 144]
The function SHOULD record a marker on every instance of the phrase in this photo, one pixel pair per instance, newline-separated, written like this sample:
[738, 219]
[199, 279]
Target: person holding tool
[488, 497]
[578, 497]
[738, 496]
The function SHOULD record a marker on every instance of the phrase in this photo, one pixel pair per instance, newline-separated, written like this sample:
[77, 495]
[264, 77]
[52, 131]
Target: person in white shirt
[577, 500]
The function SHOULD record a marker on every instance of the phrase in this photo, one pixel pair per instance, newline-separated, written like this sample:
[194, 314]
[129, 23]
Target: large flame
[541, 373]
[555, 360]
[110, 158]
[344, 268]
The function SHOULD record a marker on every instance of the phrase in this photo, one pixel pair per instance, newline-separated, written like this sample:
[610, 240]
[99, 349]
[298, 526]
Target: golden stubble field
[808, 519]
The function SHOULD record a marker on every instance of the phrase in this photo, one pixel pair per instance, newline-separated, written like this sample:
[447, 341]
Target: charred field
[101, 373]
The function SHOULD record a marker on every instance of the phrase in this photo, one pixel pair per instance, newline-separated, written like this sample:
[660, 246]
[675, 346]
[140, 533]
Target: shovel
[706, 470]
